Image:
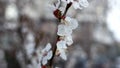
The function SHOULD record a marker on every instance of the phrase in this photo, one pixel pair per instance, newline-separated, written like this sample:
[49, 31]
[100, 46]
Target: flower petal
[69, 40]
[47, 48]
[61, 44]
[73, 24]
[49, 55]
[44, 60]
[63, 55]
[64, 30]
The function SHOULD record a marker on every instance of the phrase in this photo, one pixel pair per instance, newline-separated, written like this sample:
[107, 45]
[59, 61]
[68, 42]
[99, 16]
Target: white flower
[46, 54]
[47, 48]
[78, 4]
[69, 40]
[47, 57]
[64, 30]
[61, 44]
[63, 54]
[72, 23]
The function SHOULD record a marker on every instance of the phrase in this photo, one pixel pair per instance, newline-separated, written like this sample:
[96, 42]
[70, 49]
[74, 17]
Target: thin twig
[67, 7]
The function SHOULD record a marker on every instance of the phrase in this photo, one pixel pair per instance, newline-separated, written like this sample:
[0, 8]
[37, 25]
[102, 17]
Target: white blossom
[47, 57]
[72, 23]
[61, 44]
[47, 48]
[64, 30]
[44, 60]
[63, 54]
[69, 40]
[45, 54]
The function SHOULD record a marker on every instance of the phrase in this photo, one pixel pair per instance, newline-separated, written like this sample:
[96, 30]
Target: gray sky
[113, 18]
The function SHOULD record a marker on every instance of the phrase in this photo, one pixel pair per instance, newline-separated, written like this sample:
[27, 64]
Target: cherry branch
[57, 13]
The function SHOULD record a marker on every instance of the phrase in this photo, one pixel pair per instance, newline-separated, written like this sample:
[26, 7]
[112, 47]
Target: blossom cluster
[67, 25]
[65, 32]
[42, 56]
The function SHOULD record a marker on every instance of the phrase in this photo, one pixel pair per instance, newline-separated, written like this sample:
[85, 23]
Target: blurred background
[26, 25]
